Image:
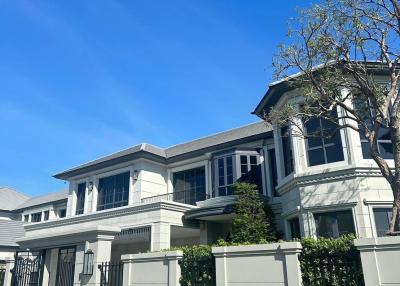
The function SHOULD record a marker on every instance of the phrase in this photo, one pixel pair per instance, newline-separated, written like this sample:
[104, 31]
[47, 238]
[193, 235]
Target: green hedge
[333, 262]
[197, 266]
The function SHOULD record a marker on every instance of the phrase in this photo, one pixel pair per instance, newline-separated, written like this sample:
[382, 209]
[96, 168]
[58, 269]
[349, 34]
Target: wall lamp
[135, 175]
[90, 186]
[88, 258]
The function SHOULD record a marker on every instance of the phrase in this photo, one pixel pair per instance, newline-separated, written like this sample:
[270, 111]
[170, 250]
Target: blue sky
[82, 79]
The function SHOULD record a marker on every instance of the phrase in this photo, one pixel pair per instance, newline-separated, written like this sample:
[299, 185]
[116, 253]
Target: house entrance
[66, 266]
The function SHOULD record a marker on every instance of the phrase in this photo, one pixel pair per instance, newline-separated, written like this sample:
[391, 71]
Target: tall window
[46, 215]
[225, 176]
[287, 150]
[62, 213]
[382, 220]
[321, 147]
[80, 195]
[26, 218]
[36, 217]
[273, 171]
[190, 185]
[334, 224]
[113, 191]
[385, 146]
[250, 170]
[294, 225]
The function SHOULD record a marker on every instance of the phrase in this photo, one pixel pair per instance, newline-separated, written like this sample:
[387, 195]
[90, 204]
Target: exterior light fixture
[135, 175]
[90, 186]
[88, 258]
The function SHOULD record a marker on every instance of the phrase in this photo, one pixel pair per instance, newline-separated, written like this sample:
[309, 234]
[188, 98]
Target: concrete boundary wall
[263, 264]
[157, 268]
[380, 260]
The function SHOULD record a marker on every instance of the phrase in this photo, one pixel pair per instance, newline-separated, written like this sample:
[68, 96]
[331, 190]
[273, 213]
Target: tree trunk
[396, 209]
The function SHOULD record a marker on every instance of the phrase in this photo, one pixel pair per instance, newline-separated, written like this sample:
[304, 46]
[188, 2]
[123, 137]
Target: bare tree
[347, 54]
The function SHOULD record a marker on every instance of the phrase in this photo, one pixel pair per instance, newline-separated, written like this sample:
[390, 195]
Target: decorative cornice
[322, 177]
[117, 212]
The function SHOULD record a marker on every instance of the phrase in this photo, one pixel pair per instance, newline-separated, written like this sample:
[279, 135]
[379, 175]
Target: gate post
[8, 274]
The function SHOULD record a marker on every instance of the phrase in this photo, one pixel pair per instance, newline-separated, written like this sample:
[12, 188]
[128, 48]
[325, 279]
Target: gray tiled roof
[40, 200]
[10, 230]
[219, 138]
[10, 199]
[173, 152]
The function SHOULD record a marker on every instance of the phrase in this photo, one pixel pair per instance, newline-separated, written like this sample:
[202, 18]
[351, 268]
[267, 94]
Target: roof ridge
[214, 134]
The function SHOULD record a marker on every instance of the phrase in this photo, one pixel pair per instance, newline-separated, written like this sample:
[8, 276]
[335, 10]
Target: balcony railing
[184, 197]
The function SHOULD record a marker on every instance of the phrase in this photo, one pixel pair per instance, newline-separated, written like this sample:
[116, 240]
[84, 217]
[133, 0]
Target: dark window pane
[314, 131]
[113, 191]
[62, 213]
[365, 150]
[36, 217]
[243, 160]
[287, 151]
[316, 157]
[334, 153]
[80, 203]
[386, 150]
[273, 170]
[294, 224]
[382, 220]
[334, 224]
[189, 185]
[46, 215]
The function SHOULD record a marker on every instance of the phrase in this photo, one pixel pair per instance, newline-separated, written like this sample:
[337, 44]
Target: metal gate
[28, 269]
[66, 266]
[111, 273]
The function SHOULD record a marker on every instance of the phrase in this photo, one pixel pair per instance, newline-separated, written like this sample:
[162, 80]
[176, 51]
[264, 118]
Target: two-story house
[147, 198]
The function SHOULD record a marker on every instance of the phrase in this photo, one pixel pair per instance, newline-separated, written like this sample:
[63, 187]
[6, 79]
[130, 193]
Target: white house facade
[147, 198]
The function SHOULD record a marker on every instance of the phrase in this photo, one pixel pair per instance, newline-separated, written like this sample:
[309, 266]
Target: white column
[160, 236]
[280, 168]
[8, 274]
[95, 192]
[52, 266]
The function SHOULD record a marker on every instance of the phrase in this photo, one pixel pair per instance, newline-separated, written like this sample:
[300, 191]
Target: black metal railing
[112, 273]
[185, 197]
[2, 275]
[28, 269]
[332, 270]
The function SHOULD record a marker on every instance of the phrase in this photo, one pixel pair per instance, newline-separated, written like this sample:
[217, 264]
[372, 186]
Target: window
[26, 218]
[36, 217]
[385, 146]
[62, 213]
[321, 148]
[113, 191]
[190, 185]
[294, 225]
[225, 176]
[46, 215]
[287, 150]
[334, 224]
[80, 198]
[273, 171]
[250, 170]
[382, 220]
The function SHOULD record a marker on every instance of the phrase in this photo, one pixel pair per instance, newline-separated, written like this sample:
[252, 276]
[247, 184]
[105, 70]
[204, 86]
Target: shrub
[251, 224]
[334, 262]
[197, 266]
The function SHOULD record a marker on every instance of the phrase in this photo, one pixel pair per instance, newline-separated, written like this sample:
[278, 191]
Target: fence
[111, 273]
[332, 270]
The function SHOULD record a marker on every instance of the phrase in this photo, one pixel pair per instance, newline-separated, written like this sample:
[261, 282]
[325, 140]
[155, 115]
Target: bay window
[225, 176]
[113, 191]
[323, 145]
